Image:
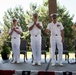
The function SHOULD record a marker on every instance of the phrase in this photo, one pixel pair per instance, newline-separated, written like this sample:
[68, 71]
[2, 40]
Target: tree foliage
[8, 17]
[17, 13]
[42, 10]
[64, 17]
[66, 20]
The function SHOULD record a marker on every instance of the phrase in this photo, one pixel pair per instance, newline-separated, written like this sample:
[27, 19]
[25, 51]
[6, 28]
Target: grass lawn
[29, 55]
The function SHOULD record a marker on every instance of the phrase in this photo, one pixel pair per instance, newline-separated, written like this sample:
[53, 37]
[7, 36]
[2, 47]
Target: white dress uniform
[56, 38]
[36, 42]
[15, 41]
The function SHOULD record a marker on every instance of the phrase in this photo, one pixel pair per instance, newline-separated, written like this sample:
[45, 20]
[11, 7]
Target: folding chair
[23, 48]
[65, 51]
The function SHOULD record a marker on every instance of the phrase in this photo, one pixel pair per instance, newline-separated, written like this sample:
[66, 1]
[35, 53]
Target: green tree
[18, 13]
[42, 16]
[66, 20]
[42, 10]
[64, 17]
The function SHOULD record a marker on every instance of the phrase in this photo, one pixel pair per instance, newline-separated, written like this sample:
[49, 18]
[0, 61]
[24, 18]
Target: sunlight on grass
[29, 55]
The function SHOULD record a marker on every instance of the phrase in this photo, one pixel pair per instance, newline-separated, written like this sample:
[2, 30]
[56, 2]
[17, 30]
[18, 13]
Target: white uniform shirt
[55, 28]
[35, 30]
[15, 34]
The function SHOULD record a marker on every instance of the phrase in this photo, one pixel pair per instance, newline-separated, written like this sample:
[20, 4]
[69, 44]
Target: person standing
[57, 37]
[15, 33]
[35, 30]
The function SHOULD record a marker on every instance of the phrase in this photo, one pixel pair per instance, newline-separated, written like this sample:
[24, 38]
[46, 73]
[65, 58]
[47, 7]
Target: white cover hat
[34, 13]
[53, 14]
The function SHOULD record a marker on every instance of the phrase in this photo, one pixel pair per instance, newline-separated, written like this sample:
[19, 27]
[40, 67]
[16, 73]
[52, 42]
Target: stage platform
[27, 66]
[7, 65]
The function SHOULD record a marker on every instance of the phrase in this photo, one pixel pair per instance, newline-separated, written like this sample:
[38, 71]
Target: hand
[47, 31]
[13, 28]
[34, 23]
[38, 24]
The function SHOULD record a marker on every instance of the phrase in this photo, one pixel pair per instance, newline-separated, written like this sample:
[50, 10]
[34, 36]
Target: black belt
[35, 35]
[56, 35]
[14, 37]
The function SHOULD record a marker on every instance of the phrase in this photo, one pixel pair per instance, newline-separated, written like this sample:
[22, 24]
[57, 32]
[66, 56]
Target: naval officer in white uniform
[15, 31]
[57, 37]
[35, 31]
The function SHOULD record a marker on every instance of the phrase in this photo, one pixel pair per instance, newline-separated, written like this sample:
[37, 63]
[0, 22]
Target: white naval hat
[34, 13]
[15, 19]
[54, 14]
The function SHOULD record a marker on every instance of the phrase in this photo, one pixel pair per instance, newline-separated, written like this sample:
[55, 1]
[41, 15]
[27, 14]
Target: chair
[43, 49]
[65, 51]
[23, 48]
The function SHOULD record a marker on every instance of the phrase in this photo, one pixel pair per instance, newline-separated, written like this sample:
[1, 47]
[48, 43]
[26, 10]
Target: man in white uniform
[15, 33]
[35, 31]
[56, 38]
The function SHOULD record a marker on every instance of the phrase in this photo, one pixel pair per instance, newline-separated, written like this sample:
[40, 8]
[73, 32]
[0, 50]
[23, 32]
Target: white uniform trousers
[53, 41]
[36, 47]
[16, 49]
